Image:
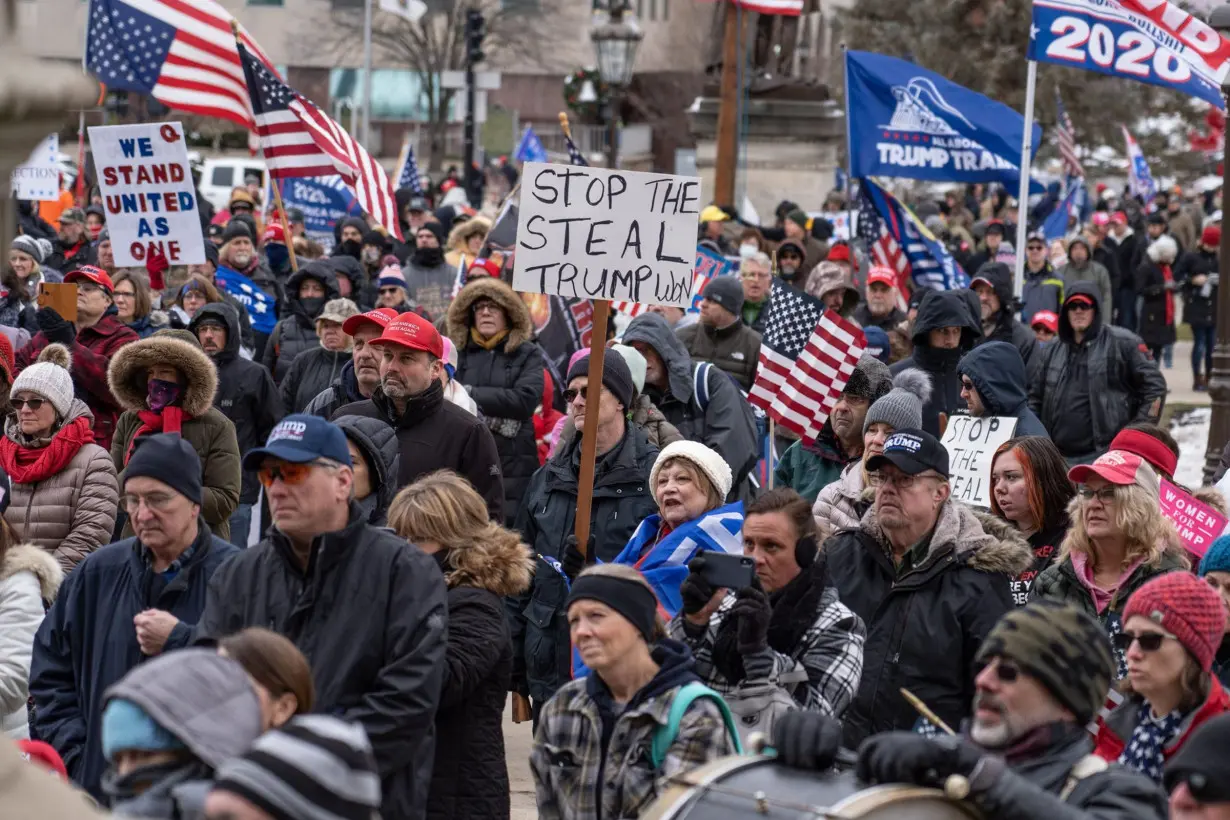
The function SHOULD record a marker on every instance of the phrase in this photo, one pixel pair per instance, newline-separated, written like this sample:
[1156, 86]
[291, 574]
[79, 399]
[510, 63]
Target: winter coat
[437, 435]
[87, 641]
[363, 290]
[1199, 300]
[864, 317]
[297, 331]
[1106, 254]
[1183, 229]
[947, 308]
[1043, 290]
[810, 631]
[999, 377]
[91, 352]
[925, 626]
[547, 516]
[209, 432]
[377, 442]
[246, 394]
[1086, 393]
[1125, 255]
[734, 349]
[312, 372]
[72, 513]
[1155, 330]
[31, 792]
[370, 616]
[1115, 730]
[505, 382]
[459, 236]
[842, 503]
[589, 758]
[1091, 271]
[1006, 327]
[809, 468]
[431, 288]
[470, 775]
[16, 313]
[658, 430]
[150, 324]
[29, 580]
[344, 390]
[66, 258]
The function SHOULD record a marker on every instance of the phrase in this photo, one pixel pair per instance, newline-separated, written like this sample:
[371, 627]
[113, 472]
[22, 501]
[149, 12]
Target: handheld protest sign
[1197, 523]
[971, 443]
[148, 193]
[60, 297]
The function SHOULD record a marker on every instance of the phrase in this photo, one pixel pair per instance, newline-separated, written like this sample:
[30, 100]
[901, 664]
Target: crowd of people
[298, 573]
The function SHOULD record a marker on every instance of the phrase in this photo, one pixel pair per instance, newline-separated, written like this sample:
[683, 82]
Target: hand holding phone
[723, 570]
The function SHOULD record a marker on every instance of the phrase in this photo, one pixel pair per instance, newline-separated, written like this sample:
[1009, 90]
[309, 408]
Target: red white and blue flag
[1140, 178]
[1066, 137]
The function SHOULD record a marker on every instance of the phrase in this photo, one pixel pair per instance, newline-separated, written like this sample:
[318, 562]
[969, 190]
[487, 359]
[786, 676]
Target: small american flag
[1067, 140]
[299, 140]
[410, 177]
[574, 154]
[881, 246]
[806, 358]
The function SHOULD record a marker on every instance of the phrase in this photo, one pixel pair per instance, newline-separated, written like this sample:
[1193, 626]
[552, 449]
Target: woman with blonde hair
[443, 515]
[279, 672]
[1118, 539]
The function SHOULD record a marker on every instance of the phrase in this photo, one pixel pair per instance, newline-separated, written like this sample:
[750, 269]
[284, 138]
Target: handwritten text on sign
[148, 193]
[592, 233]
[971, 444]
[1197, 524]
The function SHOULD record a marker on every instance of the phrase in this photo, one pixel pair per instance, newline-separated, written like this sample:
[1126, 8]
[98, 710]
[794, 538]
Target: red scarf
[28, 465]
[167, 420]
[1168, 277]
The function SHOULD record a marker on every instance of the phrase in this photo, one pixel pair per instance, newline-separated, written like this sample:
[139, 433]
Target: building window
[264, 2]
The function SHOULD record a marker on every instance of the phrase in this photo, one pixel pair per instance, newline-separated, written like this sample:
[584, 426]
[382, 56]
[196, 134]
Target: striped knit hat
[391, 277]
[313, 768]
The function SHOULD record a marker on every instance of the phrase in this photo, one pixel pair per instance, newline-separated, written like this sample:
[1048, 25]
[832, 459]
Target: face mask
[162, 394]
[352, 248]
[371, 256]
[312, 305]
[787, 270]
[747, 251]
[277, 254]
[428, 257]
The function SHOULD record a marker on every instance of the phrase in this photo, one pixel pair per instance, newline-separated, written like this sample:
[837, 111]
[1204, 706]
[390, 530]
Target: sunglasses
[1006, 671]
[33, 404]
[571, 395]
[1034, 248]
[1149, 641]
[1081, 306]
[291, 474]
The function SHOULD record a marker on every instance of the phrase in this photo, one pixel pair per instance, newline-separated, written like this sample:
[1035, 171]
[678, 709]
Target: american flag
[806, 358]
[930, 263]
[180, 52]
[299, 140]
[1067, 139]
[791, 8]
[410, 177]
[574, 155]
[881, 246]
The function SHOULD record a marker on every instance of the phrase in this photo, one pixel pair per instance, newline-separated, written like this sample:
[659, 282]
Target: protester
[456, 392]
[155, 582]
[1093, 380]
[788, 260]
[428, 275]
[64, 495]
[796, 225]
[466, 239]
[22, 278]
[432, 434]
[992, 238]
[278, 671]
[1198, 272]
[721, 337]
[756, 273]
[377, 661]
[353, 282]
[944, 331]
[1172, 627]
[1196, 775]
[134, 305]
[928, 583]
[307, 293]
[1157, 284]
[238, 252]
[482, 563]
[375, 460]
[360, 377]
[604, 722]
[191, 297]
[167, 384]
[1044, 288]
[393, 292]
[832, 285]
[993, 284]
[72, 248]
[1215, 570]
[994, 383]
[880, 308]
[315, 369]
[248, 338]
[501, 369]
[1045, 327]
[1082, 268]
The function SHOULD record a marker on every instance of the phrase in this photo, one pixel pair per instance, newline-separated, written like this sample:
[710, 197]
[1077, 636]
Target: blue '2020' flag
[262, 308]
[906, 121]
[530, 148]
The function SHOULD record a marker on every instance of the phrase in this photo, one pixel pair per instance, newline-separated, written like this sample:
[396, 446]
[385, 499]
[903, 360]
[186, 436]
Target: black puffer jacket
[362, 288]
[312, 372]
[1155, 330]
[246, 393]
[1199, 301]
[1007, 327]
[943, 308]
[371, 617]
[505, 382]
[297, 332]
[621, 500]
[378, 443]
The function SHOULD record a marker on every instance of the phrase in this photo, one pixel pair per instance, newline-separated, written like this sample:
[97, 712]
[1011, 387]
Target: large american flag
[299, 140]
[881, 246]
[180, 52]
[806, 358]
[1067, 140]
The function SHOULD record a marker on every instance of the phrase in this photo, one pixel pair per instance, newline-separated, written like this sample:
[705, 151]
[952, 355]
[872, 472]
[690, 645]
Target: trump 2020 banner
[1149, 41]
[906, 121]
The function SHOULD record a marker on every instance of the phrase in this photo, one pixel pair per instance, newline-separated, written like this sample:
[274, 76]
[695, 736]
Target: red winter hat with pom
[1186, 607]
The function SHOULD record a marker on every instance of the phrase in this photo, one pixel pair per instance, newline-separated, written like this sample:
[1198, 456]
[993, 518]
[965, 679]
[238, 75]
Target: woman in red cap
[1171, 630]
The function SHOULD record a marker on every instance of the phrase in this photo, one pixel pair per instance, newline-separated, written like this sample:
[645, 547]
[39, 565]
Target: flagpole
[366, 127]
[773, 441]
[849, 166]
[1026, 165]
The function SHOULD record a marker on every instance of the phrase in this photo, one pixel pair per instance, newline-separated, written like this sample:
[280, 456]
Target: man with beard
[361, 375]
[790, 263]
[432, 434]
[238, 252]
[72, 247]
[993, 284]
[350, 237]
[429, 277]
[880, 308]
[1043, 674]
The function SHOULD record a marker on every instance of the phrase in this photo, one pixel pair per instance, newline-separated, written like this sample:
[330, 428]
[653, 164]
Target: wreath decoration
[574, 82]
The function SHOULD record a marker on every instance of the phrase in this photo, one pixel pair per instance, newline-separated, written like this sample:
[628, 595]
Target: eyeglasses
[1034, 248]
[155, 502]
[1106, 495]
[571, 395]
[485, 306]
[901, 482]
[33, 404]
[291, 474]
[1081, 306]
[388, 290]
[1149, 641]
[124, 294]
[1006, 671]
[756, 275]
[87, 287]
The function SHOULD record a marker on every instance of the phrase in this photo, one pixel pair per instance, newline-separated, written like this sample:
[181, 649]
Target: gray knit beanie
[29, 246]
[48, 377]
[870, 380]
[902, 408]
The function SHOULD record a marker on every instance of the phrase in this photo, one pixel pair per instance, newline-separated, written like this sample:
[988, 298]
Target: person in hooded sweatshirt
[788, 263]
[1082, 268]
[348, 236]
[945, 329]
[352, 283]
[993, 284]
[993, 383]
[307, 291]
[429, 277]
[375, 460]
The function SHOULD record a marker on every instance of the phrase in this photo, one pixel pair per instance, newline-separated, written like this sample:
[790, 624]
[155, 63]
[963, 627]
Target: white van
[220, 174]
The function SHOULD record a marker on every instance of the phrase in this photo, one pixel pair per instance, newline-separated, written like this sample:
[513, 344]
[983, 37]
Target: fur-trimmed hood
[127, 380]
[29, 558]
[506, 568]
[460, 234]
[520, 326]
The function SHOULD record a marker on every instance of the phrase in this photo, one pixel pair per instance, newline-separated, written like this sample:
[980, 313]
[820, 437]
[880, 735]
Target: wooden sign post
[589, 438]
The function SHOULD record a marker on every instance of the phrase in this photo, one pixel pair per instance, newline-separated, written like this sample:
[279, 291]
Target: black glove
[752, 610]
[696, 591]
[906, 757]
[55, 327]
[807, 740]
[572, 559]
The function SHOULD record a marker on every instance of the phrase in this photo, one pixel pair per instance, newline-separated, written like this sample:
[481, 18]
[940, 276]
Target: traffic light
[476, 30]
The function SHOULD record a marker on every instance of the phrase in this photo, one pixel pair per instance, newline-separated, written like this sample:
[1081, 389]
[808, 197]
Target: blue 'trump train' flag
[906, 121]
[323, 200]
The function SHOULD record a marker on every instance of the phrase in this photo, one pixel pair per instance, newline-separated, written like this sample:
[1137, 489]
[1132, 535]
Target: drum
[749, 787]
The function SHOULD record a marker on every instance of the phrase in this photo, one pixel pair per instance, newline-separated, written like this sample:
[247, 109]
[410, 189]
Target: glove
[156, 265]
[55, 327]
[753, 611]
[572, 560]
[905, 757]
[807, 740]
[695, 590]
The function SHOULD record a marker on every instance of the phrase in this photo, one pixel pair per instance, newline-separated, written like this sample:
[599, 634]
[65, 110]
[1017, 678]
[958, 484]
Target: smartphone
[730, 571]
[60, 297]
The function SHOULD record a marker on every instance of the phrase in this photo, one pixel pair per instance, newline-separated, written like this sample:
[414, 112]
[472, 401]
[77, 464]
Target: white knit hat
[636, 364]
[712, 465]
[49, 378]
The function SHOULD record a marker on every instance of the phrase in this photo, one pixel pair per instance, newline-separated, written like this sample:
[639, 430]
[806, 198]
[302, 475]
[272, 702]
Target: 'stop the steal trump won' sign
[593, 233]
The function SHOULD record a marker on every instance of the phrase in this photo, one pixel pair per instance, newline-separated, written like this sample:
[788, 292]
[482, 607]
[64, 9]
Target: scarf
[1145, 749]
[29, 465]
[167, 420]
[487, 344]
[1168, 277]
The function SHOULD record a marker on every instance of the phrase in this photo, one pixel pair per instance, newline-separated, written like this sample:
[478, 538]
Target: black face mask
[312, 305]
[352, 248]
[428, 257]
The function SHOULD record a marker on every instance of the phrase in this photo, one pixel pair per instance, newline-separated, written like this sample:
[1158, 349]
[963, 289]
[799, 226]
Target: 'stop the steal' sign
[971, 443]
[593, 233]
[148, 193]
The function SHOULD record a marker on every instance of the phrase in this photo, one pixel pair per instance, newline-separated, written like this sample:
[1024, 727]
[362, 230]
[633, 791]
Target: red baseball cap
[379, 317]
[1079, 297]
[488, 266]
[839, 253]
[883, 275]
[274, 233]
[90, 274]
[1047, 319]
[1119, 218]
[45, 755]
[412, 331]
[1116, 466]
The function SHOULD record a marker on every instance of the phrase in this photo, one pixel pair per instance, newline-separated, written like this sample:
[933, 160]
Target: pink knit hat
[390, 277]
[1186, 607]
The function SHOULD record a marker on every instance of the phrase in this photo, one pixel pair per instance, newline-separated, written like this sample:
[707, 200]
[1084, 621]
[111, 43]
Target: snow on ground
[1191, 430]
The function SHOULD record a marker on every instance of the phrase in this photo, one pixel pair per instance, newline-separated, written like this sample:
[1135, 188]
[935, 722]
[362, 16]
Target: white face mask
[748, 250]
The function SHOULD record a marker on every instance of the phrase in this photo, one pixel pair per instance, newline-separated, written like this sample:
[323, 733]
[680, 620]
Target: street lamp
[615, 43]
[1219, 381]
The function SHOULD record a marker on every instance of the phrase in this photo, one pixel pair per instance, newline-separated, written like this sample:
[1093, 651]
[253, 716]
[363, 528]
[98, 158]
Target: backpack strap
[700, 384]
[1087, 766]
[665, 734]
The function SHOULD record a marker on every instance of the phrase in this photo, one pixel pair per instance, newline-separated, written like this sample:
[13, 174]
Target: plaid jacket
[831, 653]
[571, 774]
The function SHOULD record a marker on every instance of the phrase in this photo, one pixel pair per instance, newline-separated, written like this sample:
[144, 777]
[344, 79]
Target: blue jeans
[241, 520]
[1202, 349]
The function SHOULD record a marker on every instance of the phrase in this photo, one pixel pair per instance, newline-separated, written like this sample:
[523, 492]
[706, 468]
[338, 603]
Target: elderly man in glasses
[367, 609]
[126, 601]
[1041, 676]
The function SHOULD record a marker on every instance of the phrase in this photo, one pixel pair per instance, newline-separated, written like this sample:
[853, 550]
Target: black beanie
[211, 253]
[235, 229]
[376, 239]
[436, 229]
[615, 376]
[726, 291]
[166, 457]
[631, 599]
